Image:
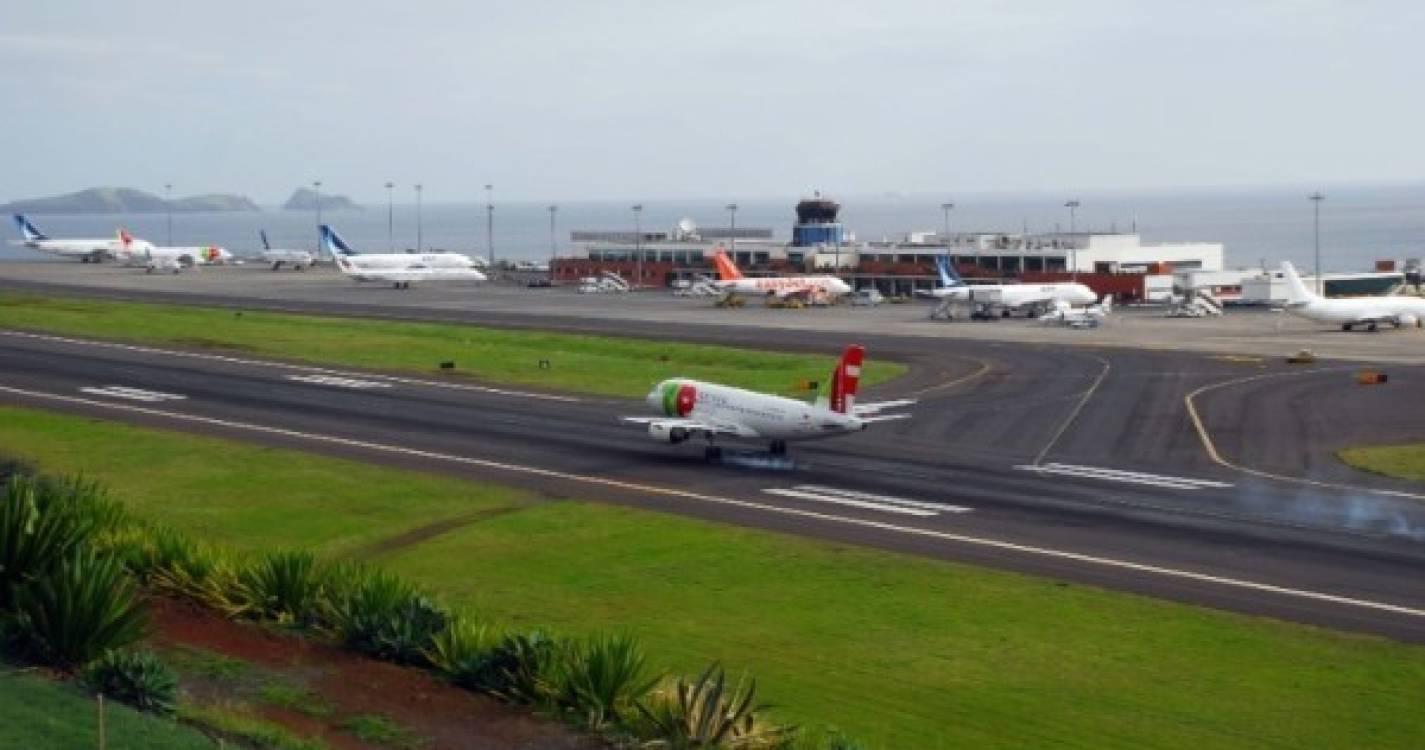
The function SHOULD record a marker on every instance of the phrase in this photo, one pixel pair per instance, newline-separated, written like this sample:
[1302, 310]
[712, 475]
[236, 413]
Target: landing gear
[779, 448]
[1372, 327]
[402, 285]
[1347, 327]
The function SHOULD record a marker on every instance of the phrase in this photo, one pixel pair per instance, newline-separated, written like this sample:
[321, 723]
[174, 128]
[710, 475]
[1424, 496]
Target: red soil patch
[441, 715]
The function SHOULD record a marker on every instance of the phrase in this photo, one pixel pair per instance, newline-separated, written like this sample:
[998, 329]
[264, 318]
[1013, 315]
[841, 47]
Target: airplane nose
[654, 399]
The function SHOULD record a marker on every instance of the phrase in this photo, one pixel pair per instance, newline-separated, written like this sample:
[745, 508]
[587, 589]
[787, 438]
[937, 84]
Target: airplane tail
[726, 269]
[125, 239]
[845, 378]
[28, 230]
[1107, 303]
[948, 276]
[333, 243]
[1296, 291]
[265, 244]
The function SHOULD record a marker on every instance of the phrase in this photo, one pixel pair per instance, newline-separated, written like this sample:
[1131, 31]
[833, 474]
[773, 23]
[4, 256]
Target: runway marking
[1119, 475]
[867, 500]
[1211, 447]
[939, 507]
[290, 366]
[981, 370]
[339, 382]
[132, 394]
[998, 544]
[1073, 415]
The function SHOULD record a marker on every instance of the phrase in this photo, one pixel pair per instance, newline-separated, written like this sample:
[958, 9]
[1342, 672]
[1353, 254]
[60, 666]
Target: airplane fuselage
[1364, 311]
[785, 285]
[1019, 295]
[755, 415]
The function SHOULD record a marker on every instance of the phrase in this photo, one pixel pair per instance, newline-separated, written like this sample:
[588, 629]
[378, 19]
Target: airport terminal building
[1117, 263]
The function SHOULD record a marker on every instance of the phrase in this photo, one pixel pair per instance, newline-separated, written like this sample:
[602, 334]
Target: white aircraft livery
[398, 269]
[135, 252]
[86, 250]
[1045, 296]
[1367, 312]
[731, 280]
[278, 257]
[693, 407]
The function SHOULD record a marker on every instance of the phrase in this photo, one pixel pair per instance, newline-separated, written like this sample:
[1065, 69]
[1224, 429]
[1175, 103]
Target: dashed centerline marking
[1119, 475]
[132, 394]
[338, 381]
[997, 544]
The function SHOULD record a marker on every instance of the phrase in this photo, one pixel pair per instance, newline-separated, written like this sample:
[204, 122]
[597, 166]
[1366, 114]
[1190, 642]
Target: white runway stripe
[942, 507]
[849, 502]
[338, 381]
[1119, 475]
[132, 394]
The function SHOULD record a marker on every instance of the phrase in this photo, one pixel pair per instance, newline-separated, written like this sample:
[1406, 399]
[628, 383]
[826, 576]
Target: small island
[108, 200]
[305, 199]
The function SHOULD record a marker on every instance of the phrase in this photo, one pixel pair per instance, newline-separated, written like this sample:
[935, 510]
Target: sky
[634, 100]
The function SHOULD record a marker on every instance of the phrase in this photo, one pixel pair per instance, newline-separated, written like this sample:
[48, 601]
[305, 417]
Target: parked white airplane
[1397, 310]
[693, 407]
[731, 280]
[297, 259]
[135, 252]
[1008, 296]
[1090, 316]
[86, 250]
[398, 269]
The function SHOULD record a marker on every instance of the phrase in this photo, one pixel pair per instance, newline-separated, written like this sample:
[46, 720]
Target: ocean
[1359, 225]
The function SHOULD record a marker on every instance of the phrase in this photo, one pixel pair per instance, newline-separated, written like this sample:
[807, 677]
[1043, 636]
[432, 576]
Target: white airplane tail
[333, 243]
[1296, 291]
[1107, 304]
[28, 230]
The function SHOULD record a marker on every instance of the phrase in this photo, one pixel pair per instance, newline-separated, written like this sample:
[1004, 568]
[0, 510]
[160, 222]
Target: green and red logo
[678, 399]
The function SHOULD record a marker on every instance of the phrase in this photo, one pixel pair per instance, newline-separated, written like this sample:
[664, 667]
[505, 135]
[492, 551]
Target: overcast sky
[644, 100]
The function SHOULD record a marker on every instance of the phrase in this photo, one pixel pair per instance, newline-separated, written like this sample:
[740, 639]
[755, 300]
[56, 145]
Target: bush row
[71, 564]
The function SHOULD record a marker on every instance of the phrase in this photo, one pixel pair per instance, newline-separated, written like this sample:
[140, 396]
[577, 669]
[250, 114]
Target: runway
[1077, 463]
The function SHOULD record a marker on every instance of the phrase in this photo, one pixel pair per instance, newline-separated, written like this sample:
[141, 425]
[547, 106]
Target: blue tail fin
[948, 277]
[333, 243]
[265, 244]
[27, 229]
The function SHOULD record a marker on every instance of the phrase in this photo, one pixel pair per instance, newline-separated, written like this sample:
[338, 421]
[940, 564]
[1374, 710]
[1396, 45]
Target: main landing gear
[401, 285]
[778, 448]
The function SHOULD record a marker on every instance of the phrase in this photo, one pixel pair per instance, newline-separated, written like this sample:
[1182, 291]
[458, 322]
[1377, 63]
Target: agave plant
[284, 586]
[601, 679]
[137, 678]
[85, 606]
[707, 713]
[520, 668]
[381, 614]
[462, 651]
[42, 522]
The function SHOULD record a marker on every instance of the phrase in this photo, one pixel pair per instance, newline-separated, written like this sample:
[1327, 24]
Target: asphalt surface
[1083, 464]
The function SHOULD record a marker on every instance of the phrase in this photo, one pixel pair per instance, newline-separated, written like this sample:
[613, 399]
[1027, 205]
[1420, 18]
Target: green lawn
[41, 714]
[899, 651]
[586, 364]
[1399, 461]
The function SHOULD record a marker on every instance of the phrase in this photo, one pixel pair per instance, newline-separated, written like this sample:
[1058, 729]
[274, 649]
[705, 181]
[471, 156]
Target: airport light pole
[638, 241]
[419, 188]
[168, 207]
[1316, 199]
[390, 219]
[490, 222]
[947, 208]
[317, 186]
[732, 228]
[1073, 206]
[553, 248]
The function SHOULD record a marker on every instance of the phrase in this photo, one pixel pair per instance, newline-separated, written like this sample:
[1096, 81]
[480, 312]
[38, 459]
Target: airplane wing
[695, 425]
[877, 407]
[884, 417]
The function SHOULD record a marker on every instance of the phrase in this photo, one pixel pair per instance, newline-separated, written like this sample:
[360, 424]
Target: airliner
[1089, 316]
[1008, 296]
[398, 269]
[86, 250]
[730, 279]
[297, 259]
[693, 407]
[1398, 310]
[135, 252]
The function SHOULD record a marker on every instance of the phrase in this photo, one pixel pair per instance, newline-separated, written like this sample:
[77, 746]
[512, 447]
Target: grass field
[41, 714]
[899, 651]
[586, 364]
[1399, 461]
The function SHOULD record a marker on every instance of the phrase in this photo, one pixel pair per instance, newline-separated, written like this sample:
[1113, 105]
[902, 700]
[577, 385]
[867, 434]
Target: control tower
[816, 223]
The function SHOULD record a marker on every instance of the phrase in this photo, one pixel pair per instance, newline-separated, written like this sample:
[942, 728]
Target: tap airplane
[1010, 296]
[731, 280]
[398, 269]
[692, 407]
[1369, 312]
[86, 250]
[135, 252]
[278, 257]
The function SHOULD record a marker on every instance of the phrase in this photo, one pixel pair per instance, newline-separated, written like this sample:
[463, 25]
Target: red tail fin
[726, 269]
[845, 379]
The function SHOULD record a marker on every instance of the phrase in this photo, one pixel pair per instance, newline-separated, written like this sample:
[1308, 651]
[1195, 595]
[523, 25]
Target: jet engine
[663, 433]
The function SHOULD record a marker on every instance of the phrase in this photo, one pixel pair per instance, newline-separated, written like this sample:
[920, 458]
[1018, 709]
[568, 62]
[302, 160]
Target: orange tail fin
[726, 269]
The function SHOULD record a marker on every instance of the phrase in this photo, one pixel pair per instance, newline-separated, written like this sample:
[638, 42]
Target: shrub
[518, 668]
[137, 678]
[42, 522]
[284, 586]
[175, 564]
[462, 652]
[600, 680]
[707, 714]
[380, 614]
[87, 605]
